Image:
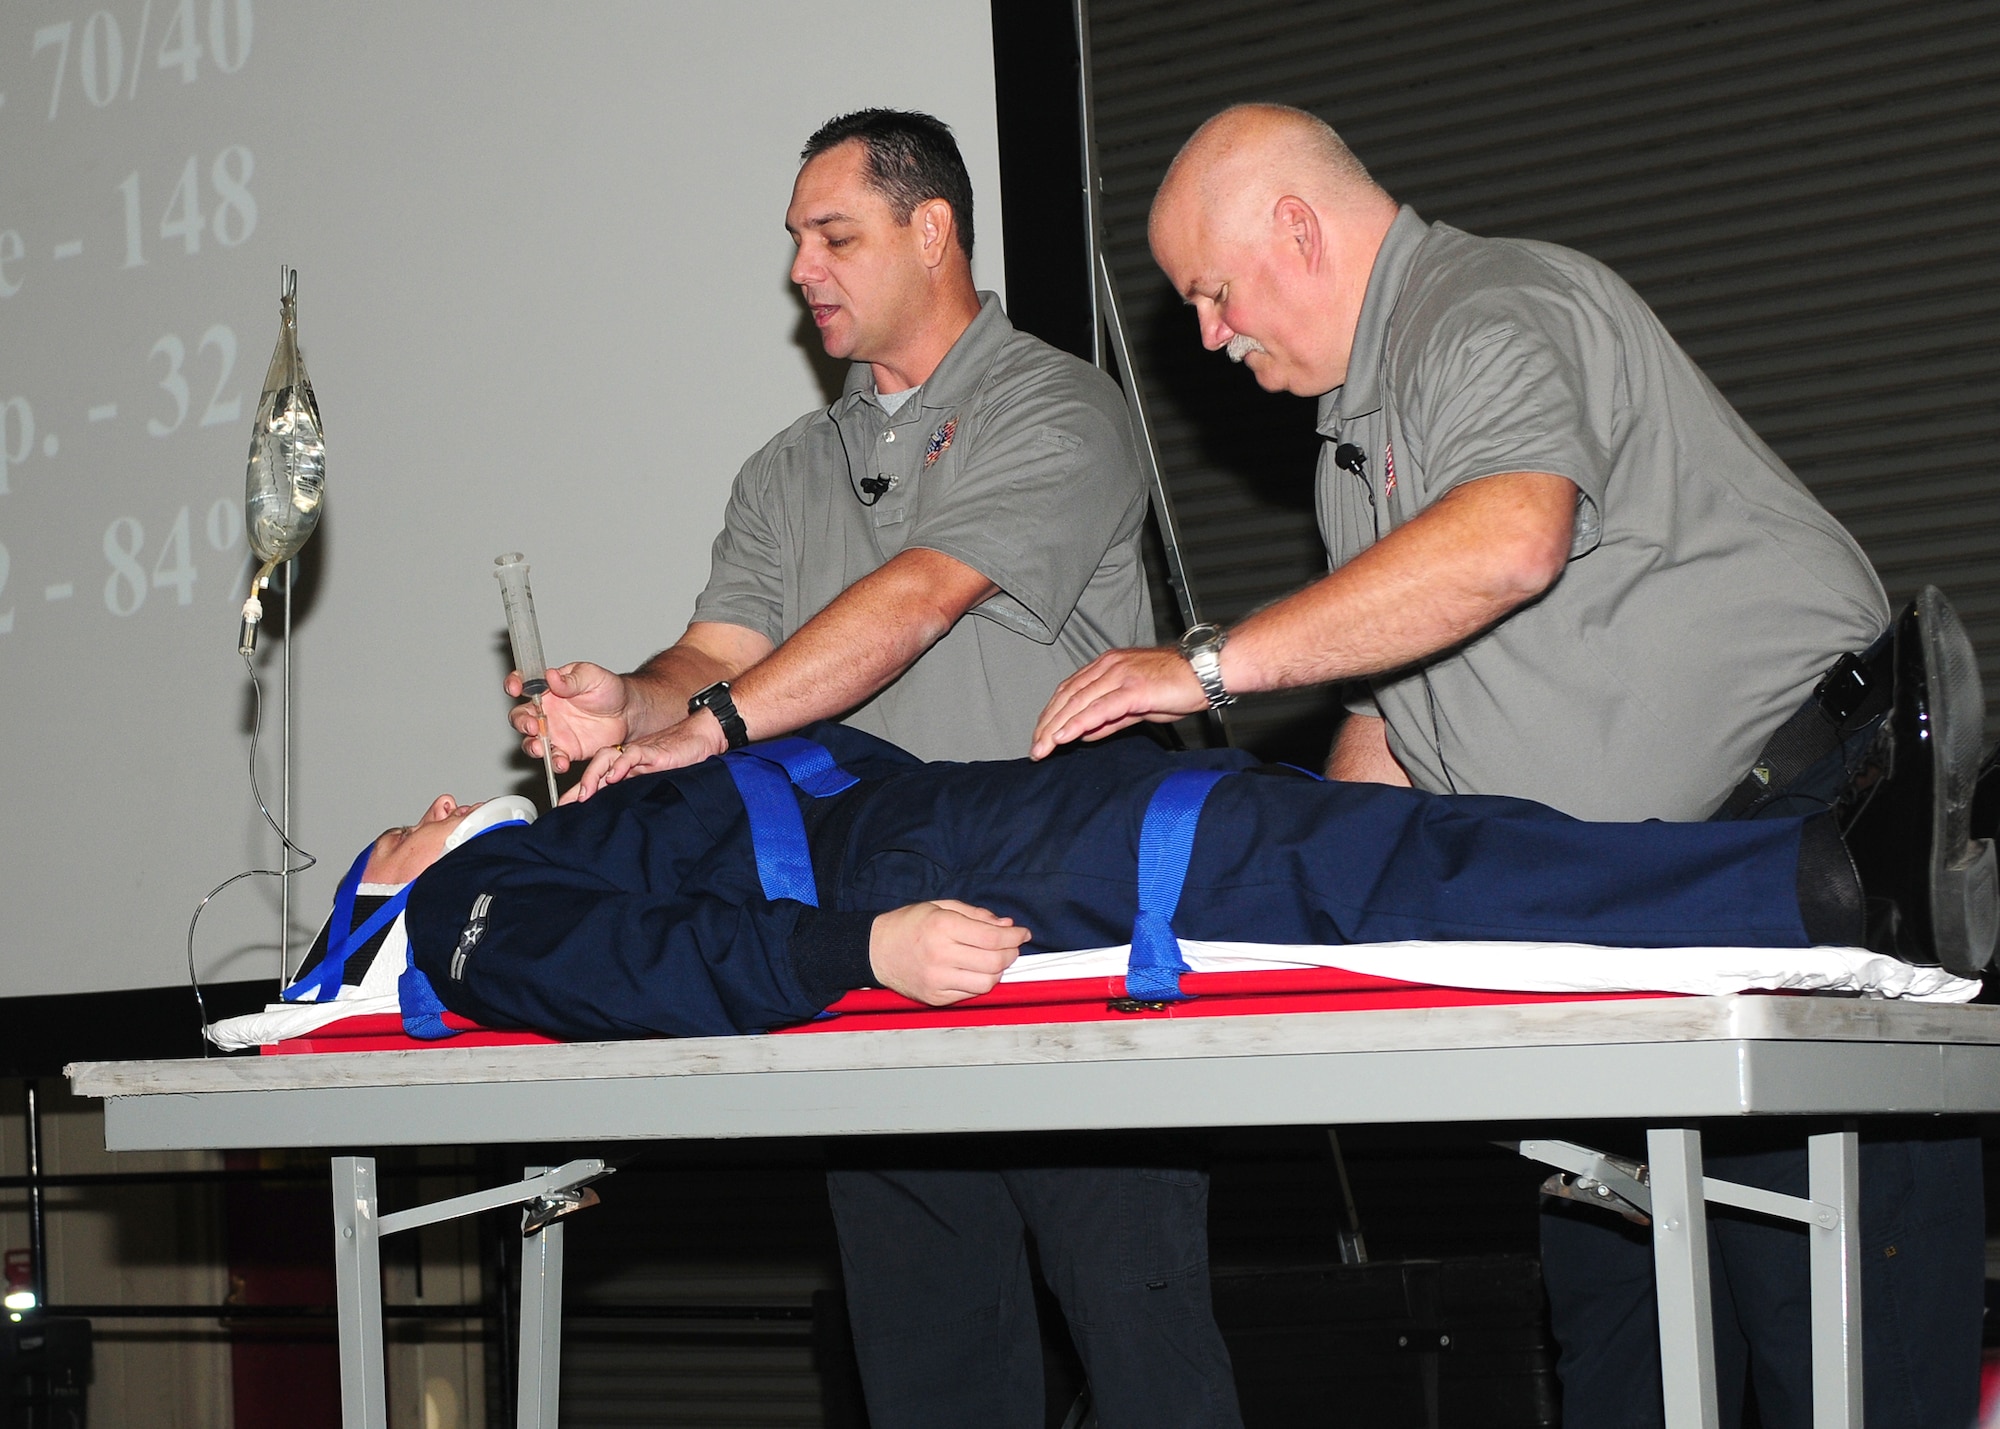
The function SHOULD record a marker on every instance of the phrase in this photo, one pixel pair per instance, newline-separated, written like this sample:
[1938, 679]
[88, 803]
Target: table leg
[541, 1324]
[1680, 1264]
[1833, 1170]
[357, 1264]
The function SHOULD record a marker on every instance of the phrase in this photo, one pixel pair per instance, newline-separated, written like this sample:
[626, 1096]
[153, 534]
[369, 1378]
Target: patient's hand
[942, 951]
[586, 706]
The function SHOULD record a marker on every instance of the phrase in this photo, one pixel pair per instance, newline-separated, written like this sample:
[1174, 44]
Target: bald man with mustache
[1561, 568]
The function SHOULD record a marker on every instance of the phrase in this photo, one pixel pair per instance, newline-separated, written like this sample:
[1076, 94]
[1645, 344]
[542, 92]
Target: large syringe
[526, 637]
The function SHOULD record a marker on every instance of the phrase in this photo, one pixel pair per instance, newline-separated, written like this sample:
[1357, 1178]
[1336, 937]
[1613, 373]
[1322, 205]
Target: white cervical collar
[505, 809]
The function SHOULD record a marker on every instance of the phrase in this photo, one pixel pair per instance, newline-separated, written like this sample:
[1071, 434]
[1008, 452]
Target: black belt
[1859, 688]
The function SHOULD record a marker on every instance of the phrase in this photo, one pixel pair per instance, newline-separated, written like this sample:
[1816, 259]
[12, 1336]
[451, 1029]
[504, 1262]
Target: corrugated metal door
[1805, 190]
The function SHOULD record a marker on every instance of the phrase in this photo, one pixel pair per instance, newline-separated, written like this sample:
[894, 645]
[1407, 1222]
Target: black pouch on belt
[1857, 691]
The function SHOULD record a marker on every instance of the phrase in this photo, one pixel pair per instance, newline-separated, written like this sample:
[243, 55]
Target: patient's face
[401, 854]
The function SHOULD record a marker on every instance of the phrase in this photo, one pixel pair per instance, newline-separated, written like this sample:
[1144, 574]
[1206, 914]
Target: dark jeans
[938, 1290]
[1923, 1229]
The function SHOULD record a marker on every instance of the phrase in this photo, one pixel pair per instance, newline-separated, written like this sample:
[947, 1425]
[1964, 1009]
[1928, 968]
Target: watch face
[1200, 639]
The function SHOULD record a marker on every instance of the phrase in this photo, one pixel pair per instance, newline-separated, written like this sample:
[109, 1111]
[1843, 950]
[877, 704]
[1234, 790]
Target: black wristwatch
[715, 699]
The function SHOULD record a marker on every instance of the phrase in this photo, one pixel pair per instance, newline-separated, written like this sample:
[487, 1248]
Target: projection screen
[543, 300]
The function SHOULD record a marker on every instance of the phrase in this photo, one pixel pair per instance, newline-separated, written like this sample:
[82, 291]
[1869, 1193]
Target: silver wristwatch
[1201, 647]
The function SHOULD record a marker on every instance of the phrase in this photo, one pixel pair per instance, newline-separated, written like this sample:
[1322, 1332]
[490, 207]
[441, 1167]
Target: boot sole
[1964, 873]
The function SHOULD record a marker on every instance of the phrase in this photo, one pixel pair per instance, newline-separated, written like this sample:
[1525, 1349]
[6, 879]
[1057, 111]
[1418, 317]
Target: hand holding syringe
[525, 635]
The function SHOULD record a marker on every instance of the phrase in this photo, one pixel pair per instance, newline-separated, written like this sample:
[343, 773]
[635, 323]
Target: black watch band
[715, 699]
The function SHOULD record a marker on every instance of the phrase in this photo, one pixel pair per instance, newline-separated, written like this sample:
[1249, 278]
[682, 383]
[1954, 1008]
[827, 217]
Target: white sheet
[1551, 967]
[1498, 967]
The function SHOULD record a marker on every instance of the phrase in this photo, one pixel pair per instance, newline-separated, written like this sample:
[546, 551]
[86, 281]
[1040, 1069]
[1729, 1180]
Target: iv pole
[285, 791]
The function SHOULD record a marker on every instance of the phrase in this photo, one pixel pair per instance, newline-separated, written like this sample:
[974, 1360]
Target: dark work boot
[1932, 888]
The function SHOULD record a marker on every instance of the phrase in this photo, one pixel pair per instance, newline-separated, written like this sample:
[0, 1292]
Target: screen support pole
[1107, 313]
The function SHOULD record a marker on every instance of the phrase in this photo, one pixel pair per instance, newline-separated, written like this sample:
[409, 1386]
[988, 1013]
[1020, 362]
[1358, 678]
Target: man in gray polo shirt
[1564, 569]
[925, 559]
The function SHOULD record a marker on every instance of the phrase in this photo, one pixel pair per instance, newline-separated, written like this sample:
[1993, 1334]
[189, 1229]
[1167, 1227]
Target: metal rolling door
[1805, 192]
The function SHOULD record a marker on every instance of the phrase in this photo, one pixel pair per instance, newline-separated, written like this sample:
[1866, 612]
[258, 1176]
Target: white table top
[1653, 1059]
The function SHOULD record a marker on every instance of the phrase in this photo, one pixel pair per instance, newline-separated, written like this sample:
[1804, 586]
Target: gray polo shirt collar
[956, 379]
[1362, 392]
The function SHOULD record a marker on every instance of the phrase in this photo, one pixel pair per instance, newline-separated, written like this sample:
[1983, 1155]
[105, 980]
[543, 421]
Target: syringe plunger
[522, 631]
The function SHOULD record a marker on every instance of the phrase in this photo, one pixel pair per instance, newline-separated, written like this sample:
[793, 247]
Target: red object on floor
[1989, 1390]
[1092, 999]
[284, 1374]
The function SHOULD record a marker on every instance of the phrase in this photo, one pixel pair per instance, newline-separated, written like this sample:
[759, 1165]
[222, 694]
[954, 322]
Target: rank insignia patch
[468, 938]
[1388, 468]
[940, 441]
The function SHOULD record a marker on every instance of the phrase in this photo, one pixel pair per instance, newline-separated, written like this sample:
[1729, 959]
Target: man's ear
[937, 229]
[1299, 226]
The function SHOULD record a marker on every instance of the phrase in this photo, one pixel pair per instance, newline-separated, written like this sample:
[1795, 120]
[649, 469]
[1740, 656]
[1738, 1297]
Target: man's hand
[1480, 552]
[942, 951]
[1118, 688]
[586, 706]
[689, 742]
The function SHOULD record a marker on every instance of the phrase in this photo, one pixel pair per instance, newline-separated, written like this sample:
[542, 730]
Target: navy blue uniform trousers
[1282, 857]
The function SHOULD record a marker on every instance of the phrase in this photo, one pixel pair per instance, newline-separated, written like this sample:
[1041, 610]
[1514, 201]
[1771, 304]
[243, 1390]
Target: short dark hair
[912, 158]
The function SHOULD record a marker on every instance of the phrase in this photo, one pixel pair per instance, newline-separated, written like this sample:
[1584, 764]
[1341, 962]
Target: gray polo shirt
[1706, 592]
[1013, 458]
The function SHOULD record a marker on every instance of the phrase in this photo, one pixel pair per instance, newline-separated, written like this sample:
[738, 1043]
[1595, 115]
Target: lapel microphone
[1349, 457]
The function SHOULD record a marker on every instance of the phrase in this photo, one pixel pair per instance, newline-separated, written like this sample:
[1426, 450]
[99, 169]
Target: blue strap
[764, 775]
[808, 765]
[323, 983]
[1166, 844]
[423, 1011]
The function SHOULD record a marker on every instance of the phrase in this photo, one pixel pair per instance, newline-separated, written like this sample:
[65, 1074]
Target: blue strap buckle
[764, 775]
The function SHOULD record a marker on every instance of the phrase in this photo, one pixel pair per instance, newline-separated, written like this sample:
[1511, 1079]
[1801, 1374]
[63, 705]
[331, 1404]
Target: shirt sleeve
[1515, 378]
[746, 574]
[1047, 484]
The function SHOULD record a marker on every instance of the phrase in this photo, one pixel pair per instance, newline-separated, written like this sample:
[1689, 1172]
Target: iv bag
[284, 487]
